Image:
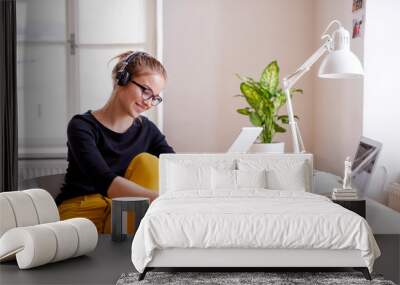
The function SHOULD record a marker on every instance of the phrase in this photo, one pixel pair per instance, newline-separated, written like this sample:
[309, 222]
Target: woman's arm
[82, 144]
[158, 144]
[122, 187]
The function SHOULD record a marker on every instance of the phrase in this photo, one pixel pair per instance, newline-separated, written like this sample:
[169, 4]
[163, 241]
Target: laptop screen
[245, 140]
[364, 162]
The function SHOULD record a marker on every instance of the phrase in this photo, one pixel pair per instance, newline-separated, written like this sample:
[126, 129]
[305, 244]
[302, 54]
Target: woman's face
[131, 95]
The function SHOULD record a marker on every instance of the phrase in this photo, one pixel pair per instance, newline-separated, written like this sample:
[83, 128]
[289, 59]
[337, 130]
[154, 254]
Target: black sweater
[96, 154]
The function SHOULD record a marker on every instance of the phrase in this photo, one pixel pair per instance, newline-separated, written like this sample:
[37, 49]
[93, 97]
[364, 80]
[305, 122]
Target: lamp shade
[340, 64]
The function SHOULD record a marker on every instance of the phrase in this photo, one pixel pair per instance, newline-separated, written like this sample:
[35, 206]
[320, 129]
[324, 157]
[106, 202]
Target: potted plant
[265, 98]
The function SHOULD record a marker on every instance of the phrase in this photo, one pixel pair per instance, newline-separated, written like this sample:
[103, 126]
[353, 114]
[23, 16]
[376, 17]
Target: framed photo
[357, 5]
[358, 23]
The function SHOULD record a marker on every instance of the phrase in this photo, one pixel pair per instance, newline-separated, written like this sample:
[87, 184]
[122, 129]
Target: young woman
[112, 151]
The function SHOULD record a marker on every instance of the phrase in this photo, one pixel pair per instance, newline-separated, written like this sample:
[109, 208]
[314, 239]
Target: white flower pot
[278, 147]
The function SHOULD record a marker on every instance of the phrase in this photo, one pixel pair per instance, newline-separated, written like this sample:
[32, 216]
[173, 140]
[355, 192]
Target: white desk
[382, 219]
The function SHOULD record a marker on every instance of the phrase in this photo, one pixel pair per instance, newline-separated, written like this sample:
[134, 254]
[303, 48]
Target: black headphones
[123, 75]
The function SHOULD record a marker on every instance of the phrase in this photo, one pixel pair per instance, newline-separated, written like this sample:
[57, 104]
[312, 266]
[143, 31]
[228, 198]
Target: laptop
[245, 140]
[364, 162]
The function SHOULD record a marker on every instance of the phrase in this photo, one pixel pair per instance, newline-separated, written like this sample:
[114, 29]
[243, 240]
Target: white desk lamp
[340, 62]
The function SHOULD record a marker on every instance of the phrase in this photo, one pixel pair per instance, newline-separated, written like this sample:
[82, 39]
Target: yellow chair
[143, 170]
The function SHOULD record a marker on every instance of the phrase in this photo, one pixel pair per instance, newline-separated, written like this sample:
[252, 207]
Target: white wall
[382, 89]
[206, 42]
[337, 112]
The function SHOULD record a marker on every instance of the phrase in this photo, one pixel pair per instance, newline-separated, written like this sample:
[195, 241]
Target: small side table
[357, 206]
[138, 205]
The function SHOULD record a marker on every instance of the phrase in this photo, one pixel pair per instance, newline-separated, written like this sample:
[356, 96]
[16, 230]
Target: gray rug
[229, 278]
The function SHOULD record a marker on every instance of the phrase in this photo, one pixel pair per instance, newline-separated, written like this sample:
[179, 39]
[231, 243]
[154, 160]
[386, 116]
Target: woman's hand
[154, 195]
[122, 187]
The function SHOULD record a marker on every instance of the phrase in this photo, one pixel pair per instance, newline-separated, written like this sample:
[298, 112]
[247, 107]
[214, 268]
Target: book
[345, 194]
[344, 197]
[341, 190]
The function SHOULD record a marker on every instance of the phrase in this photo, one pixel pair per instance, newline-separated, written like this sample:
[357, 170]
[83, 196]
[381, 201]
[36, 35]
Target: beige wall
[338, 104]
[206, 42]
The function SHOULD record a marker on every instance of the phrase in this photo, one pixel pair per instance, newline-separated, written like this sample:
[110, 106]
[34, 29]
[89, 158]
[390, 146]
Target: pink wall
[206, 43]
[338, 104]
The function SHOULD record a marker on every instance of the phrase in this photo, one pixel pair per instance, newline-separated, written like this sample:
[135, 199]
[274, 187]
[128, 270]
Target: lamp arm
[289, 81]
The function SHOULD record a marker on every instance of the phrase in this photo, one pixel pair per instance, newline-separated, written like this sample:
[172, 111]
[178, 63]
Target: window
[64, 49]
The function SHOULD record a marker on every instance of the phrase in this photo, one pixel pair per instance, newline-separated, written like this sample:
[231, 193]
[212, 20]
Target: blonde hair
[141, 63]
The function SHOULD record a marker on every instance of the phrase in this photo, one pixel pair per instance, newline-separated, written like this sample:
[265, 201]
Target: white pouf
[31, 232]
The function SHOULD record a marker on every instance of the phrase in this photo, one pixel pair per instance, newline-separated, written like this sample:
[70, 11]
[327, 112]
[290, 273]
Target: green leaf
[278, 128]
[265, 98]
[260, 109]
[270, 77]
[285, 118]
[255, 85]
[250, 94]
[245, 111]
[280, 99]
[255, 119]
[268, 109]
[296, 90]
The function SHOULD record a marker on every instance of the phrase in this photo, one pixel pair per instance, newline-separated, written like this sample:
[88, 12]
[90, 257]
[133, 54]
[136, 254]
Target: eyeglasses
[148, 94]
